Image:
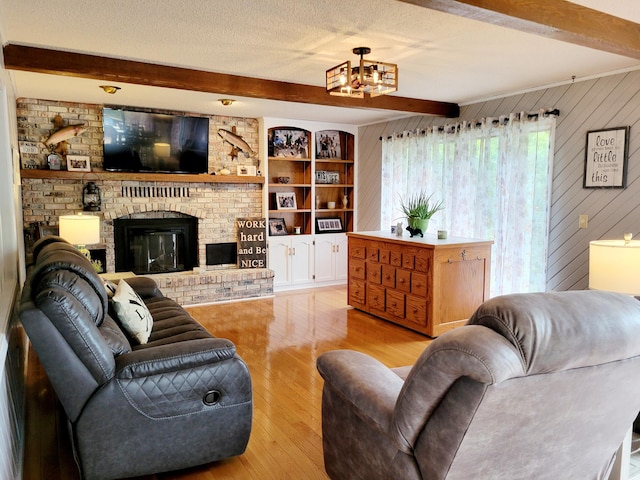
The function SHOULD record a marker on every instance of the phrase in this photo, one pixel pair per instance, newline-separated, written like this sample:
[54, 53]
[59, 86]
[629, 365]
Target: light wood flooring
[280, 339]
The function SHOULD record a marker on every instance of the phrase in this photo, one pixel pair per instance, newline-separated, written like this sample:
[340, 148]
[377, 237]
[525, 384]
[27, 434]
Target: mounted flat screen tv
[154, 142]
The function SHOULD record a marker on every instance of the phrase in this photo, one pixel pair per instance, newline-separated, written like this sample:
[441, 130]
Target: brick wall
[216, 205]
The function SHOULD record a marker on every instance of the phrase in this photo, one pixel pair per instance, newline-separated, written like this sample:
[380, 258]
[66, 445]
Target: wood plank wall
[605, 102]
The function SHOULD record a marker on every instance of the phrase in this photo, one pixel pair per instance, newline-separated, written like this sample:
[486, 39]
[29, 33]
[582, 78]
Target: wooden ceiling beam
[56, 62]
[559, 19]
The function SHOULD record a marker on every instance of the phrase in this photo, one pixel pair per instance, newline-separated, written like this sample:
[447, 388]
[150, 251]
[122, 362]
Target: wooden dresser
[425, 284]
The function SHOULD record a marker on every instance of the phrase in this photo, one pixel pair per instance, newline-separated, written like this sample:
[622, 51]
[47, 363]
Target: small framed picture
[246, 170]
[328, 225]
[46, 230]
[606, 155]
[277, 227]
[78, 163]
[289, 143]
[286, 201]
[328, 144]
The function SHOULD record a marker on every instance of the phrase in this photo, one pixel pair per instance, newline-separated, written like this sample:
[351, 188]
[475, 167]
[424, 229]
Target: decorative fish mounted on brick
[61, 136]
[237, 142]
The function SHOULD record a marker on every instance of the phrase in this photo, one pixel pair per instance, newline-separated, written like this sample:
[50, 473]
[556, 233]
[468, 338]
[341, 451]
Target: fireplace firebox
[155, 245]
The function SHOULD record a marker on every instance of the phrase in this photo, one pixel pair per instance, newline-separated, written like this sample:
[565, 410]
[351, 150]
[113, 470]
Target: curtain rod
[530, 116]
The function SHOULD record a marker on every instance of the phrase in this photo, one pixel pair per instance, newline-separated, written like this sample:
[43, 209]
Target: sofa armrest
[144, 286]
[364, 382]
[173, 357]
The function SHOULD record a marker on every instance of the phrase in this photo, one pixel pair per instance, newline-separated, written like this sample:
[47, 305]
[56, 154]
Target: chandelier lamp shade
[370, 77]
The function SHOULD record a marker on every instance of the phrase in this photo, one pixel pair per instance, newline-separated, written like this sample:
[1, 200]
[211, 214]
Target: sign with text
[606, 158]
[252, 242]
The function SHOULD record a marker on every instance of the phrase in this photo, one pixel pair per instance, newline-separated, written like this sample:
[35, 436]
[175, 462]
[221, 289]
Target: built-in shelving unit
[289, 175]
[141, 177]
[313, 163]
[334, 176]
[317, 170]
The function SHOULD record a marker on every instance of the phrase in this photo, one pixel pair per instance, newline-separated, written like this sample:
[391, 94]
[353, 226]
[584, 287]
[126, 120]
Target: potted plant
[418, 209]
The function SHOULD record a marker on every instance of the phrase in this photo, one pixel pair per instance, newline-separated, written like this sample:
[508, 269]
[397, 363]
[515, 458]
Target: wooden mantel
[140, 177]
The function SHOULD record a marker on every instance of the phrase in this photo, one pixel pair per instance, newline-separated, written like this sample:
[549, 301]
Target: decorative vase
[345, 201]
[421, 223]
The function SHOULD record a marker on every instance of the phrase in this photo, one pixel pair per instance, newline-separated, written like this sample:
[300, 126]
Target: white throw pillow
[132, 312]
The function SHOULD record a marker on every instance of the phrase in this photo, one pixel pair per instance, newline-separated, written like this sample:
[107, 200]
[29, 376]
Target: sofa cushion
[132, 313]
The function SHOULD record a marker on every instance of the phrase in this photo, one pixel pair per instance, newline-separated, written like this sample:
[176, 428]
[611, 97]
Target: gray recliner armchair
[183, 398]
[535, 386]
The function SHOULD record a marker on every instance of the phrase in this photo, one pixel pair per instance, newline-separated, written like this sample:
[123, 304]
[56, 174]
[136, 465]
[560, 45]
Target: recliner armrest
[367, 384]
[173, 357]
[144, 286]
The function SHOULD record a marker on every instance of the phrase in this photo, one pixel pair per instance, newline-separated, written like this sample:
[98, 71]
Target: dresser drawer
[384, 256]
[408, 260]
[376, 297]
[357, 292]
[389, 276]
[419, 285]
[416, 310]
[422, 264]
[395, 259]
[403, 280]
[357, 269]
[357, 251]
[373, 254]
[374, 273]
[395, 304]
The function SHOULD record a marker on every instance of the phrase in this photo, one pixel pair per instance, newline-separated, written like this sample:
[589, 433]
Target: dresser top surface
[429, 240]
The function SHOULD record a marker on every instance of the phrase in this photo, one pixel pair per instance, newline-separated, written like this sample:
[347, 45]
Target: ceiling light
[226, 101]
[110, 89]
[370, 77]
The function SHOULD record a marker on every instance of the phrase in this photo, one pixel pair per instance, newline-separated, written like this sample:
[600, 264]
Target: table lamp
[614, 265]
[80, 230]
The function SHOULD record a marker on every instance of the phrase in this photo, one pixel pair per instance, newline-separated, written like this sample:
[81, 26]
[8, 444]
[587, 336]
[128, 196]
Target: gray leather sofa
[535, 386]
[182, 399]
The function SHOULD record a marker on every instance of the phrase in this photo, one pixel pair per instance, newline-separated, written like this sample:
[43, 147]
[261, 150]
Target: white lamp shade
[614, 265]
[80, 229]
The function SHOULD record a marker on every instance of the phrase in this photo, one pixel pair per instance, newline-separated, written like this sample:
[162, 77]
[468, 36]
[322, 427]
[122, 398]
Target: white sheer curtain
[494, 177]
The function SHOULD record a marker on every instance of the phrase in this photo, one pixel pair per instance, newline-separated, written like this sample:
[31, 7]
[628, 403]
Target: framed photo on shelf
[290, 143]
[277, 226]
[246, 170]
[78, 163]
[328, 144]
[328, 225]
[286, 201]
[606, 158]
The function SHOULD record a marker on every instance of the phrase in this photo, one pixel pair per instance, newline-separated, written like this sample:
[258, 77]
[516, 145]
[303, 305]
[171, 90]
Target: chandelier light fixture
[369, 77]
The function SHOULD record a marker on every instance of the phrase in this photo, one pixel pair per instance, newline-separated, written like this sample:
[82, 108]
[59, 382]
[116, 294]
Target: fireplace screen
[155, 245]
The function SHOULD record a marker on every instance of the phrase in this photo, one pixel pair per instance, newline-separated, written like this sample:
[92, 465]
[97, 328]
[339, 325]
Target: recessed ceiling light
[226, 101]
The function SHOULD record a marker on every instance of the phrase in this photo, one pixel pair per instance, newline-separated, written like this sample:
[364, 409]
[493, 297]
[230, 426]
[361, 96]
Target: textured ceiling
[440, 56]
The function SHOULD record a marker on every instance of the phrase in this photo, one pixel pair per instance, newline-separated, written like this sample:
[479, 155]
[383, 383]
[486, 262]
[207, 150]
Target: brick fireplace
[215, 205]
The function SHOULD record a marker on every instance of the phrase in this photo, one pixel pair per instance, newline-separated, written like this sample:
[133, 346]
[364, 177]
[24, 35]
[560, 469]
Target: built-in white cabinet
[331, 257]
[310, 197]
[291, 257]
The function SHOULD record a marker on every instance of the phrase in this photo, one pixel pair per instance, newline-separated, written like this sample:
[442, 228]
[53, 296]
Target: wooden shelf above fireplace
[141, 177]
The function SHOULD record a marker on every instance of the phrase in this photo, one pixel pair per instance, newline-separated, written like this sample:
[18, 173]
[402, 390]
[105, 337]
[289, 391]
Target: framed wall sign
[606, 155]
